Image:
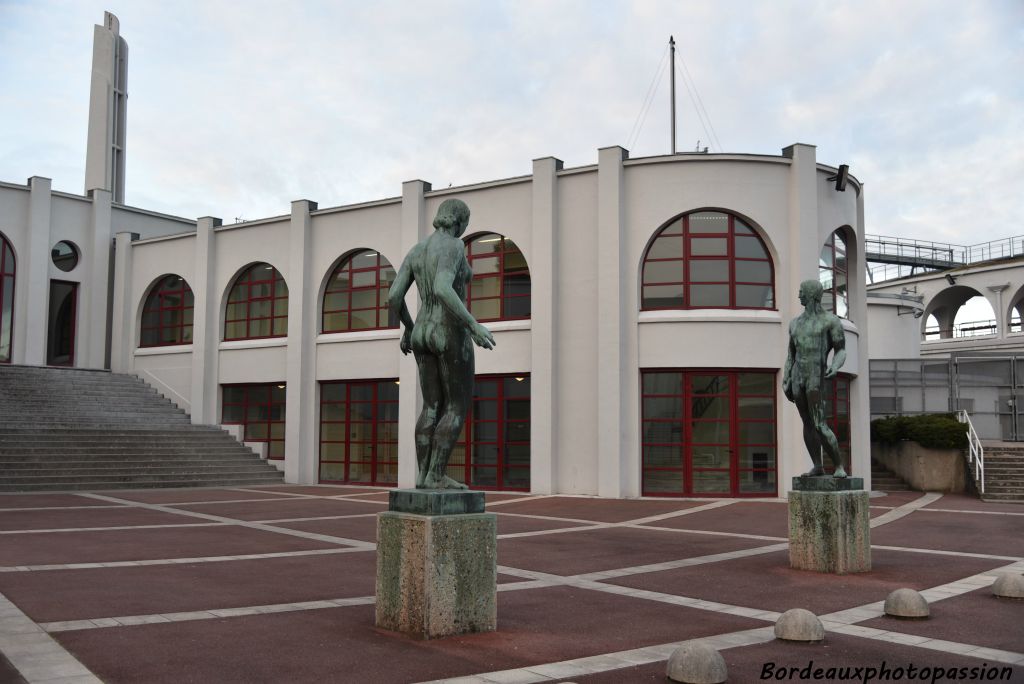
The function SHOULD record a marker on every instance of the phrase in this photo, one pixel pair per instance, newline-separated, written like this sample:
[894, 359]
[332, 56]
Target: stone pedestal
[829, 525]
[436, 564]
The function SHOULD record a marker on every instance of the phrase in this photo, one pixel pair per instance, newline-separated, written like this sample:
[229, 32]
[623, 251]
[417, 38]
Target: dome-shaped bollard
[798, 624]
[907, 604]
[696, 662]
[1009, 585]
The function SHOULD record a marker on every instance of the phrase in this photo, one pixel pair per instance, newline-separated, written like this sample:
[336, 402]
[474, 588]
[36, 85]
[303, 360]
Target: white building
[640, 308]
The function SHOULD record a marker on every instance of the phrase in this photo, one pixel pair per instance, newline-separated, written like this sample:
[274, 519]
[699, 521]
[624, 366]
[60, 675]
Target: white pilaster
[611, 323]
[92, 336]
[543, 325]
[300, 459]
[30, 336]
[122, 332]
[860, 394]
[414, 227]
[205, 325]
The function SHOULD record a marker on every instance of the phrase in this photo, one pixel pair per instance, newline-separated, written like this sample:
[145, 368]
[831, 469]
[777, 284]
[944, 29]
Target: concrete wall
[584, 233]
[925, 470]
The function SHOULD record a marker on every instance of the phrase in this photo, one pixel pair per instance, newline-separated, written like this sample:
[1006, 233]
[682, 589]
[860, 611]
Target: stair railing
[975, 451]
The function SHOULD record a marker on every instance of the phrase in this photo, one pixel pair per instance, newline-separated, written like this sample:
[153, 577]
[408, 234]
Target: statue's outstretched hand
[482, 336]
[406, 344]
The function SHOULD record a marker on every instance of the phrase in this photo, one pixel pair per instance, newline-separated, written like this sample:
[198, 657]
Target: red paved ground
[574, 553]
[747, 664]
[43, 500]
[322, 645]
[537, 625]
[127, 545]
[598, 510]
[766, 581]
[975, 618]
[769, 519]
[963, 502]
[286, 508]
[991, 534]
[102, 517]
[49, 596]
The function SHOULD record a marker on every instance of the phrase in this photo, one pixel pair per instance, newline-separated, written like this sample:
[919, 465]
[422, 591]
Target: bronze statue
[812, 335]
[441, 339]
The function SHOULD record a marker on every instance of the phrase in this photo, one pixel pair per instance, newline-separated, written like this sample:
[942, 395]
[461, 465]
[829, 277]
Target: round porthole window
[64, 255]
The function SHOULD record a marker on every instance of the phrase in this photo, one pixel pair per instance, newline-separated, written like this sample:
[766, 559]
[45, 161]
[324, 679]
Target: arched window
[257, 305]
[356, 297]
[707, 260]
[6, 299]
[500, 289]
[832, 271]
[167, 313]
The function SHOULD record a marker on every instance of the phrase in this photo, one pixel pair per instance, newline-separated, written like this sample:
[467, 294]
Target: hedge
[933, 431]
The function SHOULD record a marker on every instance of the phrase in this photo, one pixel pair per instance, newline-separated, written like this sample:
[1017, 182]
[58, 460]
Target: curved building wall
[583, 233]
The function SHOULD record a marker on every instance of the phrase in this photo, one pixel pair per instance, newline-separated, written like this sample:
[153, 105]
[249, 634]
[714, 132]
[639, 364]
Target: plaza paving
[275, 584]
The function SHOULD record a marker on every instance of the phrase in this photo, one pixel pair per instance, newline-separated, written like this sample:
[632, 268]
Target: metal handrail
[975, 451]
[960, 330]
[923, 254]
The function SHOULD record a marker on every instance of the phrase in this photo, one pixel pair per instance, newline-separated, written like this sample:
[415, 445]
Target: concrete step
[56, 460]
[269, 478]
[119, 470]
[131, 476]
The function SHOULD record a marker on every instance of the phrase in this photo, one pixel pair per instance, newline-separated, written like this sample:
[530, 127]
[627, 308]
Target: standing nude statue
[812, 335]
[441, 339]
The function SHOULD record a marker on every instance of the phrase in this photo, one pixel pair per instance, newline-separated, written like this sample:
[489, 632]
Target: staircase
[1004, 471]
[65, 429]
[884, 480]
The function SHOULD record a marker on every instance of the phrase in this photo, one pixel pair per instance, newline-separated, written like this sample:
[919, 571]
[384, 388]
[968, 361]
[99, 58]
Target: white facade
[584, 233]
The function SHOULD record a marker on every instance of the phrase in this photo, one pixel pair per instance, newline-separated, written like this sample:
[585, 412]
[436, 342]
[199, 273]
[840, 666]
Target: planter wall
[925, 470]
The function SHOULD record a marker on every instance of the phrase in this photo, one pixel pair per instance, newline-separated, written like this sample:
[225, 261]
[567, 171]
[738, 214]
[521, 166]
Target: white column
[92, 338]
[543, 326]
[300, 457]
[804, 252]
[30, 326]
[122, 323]
[611, 326]
[860, 393]
[414, 228]
[205, 325]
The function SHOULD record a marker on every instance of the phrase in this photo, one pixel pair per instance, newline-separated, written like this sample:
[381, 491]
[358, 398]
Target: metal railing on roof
[889, 258]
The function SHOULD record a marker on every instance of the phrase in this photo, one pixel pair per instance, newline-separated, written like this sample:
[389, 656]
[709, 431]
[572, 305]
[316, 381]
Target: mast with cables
[672, 96]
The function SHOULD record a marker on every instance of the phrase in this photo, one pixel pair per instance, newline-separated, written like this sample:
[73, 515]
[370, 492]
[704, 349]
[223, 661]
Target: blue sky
[236, 109]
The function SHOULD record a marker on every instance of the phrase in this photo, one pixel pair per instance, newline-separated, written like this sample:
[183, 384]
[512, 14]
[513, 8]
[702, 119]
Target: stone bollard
[797, 624]
[907, 604]
[696, 662]
[1010, 585]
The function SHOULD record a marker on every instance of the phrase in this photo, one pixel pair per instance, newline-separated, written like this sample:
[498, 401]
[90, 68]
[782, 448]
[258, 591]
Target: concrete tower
[108, 100]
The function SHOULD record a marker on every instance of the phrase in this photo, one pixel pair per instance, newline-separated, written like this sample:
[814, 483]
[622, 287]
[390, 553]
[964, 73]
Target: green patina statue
[441, 339]
[812, 335]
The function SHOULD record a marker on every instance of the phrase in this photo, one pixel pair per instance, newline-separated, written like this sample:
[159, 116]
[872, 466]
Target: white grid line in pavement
[113, 528]
[34, 653]
[906, 509]
[242, 523]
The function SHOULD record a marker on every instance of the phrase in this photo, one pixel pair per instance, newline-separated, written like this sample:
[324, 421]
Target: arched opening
[1015, 317]
[500, 288]
[6, 299]
[958, 311]
[707, 260]
[257, 305]
[356, 296]
[833, 272]
[167, 314]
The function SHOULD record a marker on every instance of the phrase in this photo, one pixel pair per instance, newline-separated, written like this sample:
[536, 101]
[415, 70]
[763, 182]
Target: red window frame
[830, 272]
[383, 434]
[340, 293]
[257, 276]
[489, 427]
[502, 274]
[837, 413]
[272, 397]
[171, 302]
[7, 280]
[688, 256]
[681, 429]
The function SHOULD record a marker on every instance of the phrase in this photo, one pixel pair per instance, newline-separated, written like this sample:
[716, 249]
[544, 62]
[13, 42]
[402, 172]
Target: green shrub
[933, 431]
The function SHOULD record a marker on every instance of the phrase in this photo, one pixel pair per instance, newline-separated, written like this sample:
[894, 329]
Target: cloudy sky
[236, 109]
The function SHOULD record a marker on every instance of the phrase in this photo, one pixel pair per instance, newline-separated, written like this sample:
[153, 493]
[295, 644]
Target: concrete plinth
[436, 574]
[829, 531]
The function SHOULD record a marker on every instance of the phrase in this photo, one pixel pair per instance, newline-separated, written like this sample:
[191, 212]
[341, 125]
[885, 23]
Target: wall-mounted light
[841, 177]
[951, 279]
